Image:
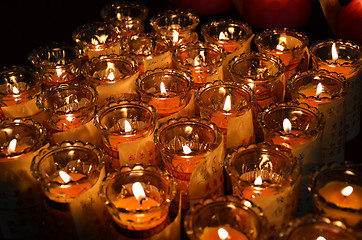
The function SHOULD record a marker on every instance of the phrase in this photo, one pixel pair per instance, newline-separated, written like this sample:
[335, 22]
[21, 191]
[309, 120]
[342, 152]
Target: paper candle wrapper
[333, 137]
[353, 106]
[245, 48]
[21, 199]
[160, 61]
[207, 178]
[117, 89]
[93, 53]
[22, 110]
[142, 151]
[240, 131]
[86, 133]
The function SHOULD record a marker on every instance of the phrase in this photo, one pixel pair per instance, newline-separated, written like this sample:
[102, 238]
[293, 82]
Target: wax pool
[332, 192]
[211, 233]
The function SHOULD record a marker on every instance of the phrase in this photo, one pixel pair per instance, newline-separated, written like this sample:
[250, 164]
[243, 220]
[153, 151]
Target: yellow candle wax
[212, 233]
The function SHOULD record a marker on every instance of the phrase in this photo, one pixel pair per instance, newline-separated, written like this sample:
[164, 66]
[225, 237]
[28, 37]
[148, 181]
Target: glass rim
[114, 8]
[154, 21]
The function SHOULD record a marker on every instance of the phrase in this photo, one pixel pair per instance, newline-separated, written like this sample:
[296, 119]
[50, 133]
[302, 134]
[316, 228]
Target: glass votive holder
[329, 99]
[228, 105]
[18, 89]
[151, 51]
[337, 193]
[112, 76]
[344, 58]
[70, 110]
[179, 26]
[202, 60]
[193, 152]
[235, 217]
[268, 176]
[127, 129]
[57, 63]
[289, 45]
[128, 16]
[97, 39]
[138, 199]
[315, 227]
[22, 211]
[70, 174]
[168, 90]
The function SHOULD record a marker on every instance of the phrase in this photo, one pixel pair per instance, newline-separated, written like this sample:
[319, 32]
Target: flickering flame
[334, 52]
[127, 126]
[186, 149]
[110, 76]
[227, 103]
[138, 192]
[320, 238]
[231, 30]
[175, 36]
[258, 181]
[70, 118]
[16, 90]
[347, 191]
[65, 176]
[223, 234]
[163, 89]
[319, 90]
[59, 71]
[281, 44]
[110, 69]
[287, 126]
[196, 62]
[222, 36]
[12, 146]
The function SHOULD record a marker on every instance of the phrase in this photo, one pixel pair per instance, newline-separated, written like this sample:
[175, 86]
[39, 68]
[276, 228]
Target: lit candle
[222, 233]
[342, 194]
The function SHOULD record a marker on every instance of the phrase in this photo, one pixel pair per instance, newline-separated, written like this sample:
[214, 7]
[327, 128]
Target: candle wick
[143, 199]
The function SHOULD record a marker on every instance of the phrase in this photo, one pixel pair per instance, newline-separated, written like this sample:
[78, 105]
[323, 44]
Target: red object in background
[275, 13]
[204, 7]
[348, 23]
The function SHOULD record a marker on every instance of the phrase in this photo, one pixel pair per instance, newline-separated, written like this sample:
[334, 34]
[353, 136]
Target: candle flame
[163, 89]
[319, 90]
[258, 181]
[12, 146]
[281, 44]
[59, 71]
[347, 191]
[227, 103]
[175, 36]
[186, 149]
[16, 90]
[320, 238]
[65, 176]
[222, 36]
[110, 76]
[70, 118]
[287, 126]
[127, 126]
[196, 62]
[223, 234]
[334, 52]
[138, 192]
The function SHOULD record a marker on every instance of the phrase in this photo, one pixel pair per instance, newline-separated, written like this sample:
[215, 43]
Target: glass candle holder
[180, 26]
[228, 105]
[337, 194]
[329, 99]
[268, 176]
[97, 39]
[138, 199]
[70, 109]
[128, 16]
[18, 88]
[127, 128]
[70, 174]
[239, 217]
[57, 63]
[345, 58]
[168, 90]
[151, 51]
[314, 227]
[112, 76]
[289, 45]
[193, 152]
[202, 60]
[22, 210]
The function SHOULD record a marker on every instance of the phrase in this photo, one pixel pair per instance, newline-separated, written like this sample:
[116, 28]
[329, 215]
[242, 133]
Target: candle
[214, 219]
[269, 177]
[128, 16]
[201, 60]
[228, 105]
[177, 25]
[343, 57]
[138, 198]
[192, 151]
[342, 194]
[168, 90]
